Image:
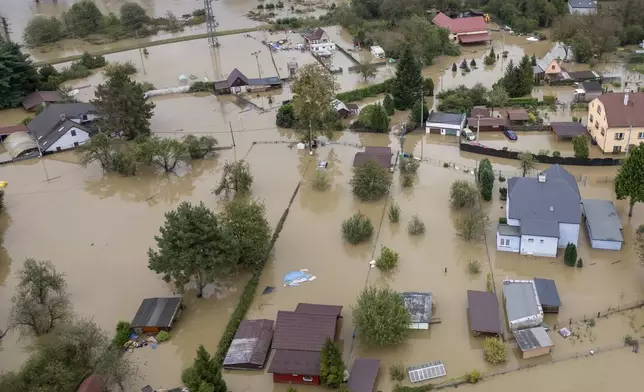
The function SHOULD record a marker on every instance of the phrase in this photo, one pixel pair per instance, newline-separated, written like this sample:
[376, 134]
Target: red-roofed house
[466, 30]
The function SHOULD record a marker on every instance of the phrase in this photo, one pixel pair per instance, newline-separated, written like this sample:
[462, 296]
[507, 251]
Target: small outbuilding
[584, 76]
[518, 116]
[250, 346]
[156, 314]
[483, 311]
[340, 108]
[567, 129]
[548, 295]
[38, 98]
[381, 155]
[362, 377]
[419, 306]
[587, 91]
[445, 123]
[533, 342]
[522, 304]
[603, 224]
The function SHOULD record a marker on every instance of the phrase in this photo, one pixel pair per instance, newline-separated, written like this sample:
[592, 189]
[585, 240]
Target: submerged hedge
[247, 296]
[362, 93]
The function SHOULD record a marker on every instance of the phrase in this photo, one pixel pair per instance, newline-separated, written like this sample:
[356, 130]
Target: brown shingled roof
[620, 115]
[36, 98]
[329, 310]
[518, 114]
[12, 129]
[301, 331]
[92, 383]
[296, 362]
[361, 158]
[483, 310]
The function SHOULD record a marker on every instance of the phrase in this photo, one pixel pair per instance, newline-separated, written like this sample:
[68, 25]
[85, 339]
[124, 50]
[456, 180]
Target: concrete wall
[515, 243]
[568, 232]
[539, 246]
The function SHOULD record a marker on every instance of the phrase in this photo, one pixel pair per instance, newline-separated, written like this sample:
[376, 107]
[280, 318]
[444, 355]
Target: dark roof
[592, 86]
[584, 75]
[483, 309]
[329, 310]
[296, 362]
[529, 339]
[302, 331]
[568, 129]
[352, 106]
[251, 344]
[480, 111]
[361, 158]
[539, 228]
[316, 35]
[620, 115]
[518, 114]
[419, 306]
[271, 80]
[537, 69]
[362, 377]
[487, 122]
[556, 200]
[92, 383]
[445, 118]
[378, 150]
[51, 118]
[156, 312]
[547, 292]
[582, 3]
[13, 128]
[603, 222]
[36, 98]
[236, 74]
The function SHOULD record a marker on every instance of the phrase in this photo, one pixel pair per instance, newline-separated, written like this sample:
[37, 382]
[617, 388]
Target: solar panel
[426, 371]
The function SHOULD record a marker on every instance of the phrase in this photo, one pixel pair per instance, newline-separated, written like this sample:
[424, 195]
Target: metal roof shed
[250, 346]
[156, 314]
[603, 224]
[533, 342]
[302, 331]
[548, 295]
[483, 311]
[419, 306]
[363, 375]
[522, 304]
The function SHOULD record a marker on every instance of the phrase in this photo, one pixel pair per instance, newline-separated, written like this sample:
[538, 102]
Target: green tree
[388, 104]
[133, 16]
[374, 117]
[18, 77]
[42, 30]
[388, 259]
[511, 80]
[83, 18]
[582, 48]
[331, 365]
[428, 87]
[471, 226]
[164, 152]
[236, 177]
[497, 97]
[357, 228]
[115, 368]
[494, 351]
[462, 194]
[533, 60]
[313, 90]
[366, 70]
[204, 371]
[193, 245]
[526, 76]
[570, 255]
[415, 114]
[246, 221]
[629, 182]
[380, 317]
[198, 148]
[405, 88]
[580, 146]
[490, 59]
[285, 117]
[370, 181]
[485, 177]
[122, 107]
[527, 162]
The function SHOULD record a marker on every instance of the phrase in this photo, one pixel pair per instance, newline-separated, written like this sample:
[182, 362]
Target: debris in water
[294, 278]
[565, 332]
[372, 263]
[268, 290]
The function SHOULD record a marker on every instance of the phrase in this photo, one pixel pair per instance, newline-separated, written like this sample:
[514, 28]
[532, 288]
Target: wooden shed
[156, 314]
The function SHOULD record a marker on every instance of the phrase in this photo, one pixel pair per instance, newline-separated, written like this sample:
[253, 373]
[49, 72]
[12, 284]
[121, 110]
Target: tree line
[84, 19]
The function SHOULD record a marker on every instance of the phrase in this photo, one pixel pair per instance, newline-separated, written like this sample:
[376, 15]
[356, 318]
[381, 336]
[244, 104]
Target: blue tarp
[294, 278]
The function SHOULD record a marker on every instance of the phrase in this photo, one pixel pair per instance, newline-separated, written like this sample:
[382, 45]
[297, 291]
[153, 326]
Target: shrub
[503, 192]
[394, 212]
[570, 255]
[387, 260]
[147, 86]
[370, 182]
[122, 334]
[388, 104]
[133, 16]
[556, 154]
[397, 371]
[485, 176]
[409, 165]
[321, 181]
[580, 146]
[503, 220]
[373, 118]
[362, 93]
[489, 283]
[74, 71]
[380, 317]
[580, 263]
[549, 100]
[331, 365]
[494, 351]
[462, 194]
[545, 152]
[163, 336]
[92, 62]
[472, 377]
[26, 120]
[501, 178]
[198, 148]
[474, 267]
[416, 226]
[407, 180]
[127, 68]
[357, 228]
[41, 30]
[200, 86]
[285, 117]
[471, 226]
[628, 340]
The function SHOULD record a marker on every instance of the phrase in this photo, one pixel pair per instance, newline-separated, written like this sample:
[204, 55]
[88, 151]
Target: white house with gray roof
[582, 6]
[543, 214]
[62, 126]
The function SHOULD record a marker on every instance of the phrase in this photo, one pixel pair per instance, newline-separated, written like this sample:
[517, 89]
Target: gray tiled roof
[45, 122]
[520, 299]
[583, 3]
[556, 200]
[540, 228]
[603, 220]
[156, 312]
[547, 291]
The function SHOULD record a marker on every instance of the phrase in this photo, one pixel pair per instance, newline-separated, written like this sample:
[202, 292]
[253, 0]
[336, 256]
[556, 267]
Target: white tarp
[166, 91]
[19, 143]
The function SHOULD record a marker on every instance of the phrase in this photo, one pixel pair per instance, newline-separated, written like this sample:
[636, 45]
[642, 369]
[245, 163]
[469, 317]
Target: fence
[541, 158]
[603, 313]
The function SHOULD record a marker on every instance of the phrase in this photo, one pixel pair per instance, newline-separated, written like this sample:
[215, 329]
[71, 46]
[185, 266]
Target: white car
[468, 134]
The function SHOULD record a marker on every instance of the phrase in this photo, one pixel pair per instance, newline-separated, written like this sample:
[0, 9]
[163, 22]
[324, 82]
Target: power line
[211, 24]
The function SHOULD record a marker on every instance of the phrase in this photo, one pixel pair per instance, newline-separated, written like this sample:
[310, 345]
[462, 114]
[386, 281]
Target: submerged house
[522, 304]
[63, 126]
[319, 41]
[419, 306]
[381, 155]
[468, 30]
[156, 315]
[483, 312]
[543, 214]
[250, 346]
[237, 83]
[548, 295]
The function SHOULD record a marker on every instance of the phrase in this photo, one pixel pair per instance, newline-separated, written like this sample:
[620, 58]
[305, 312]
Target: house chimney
[626, 98]
[541, 177]
[552, 209]
[63, 117]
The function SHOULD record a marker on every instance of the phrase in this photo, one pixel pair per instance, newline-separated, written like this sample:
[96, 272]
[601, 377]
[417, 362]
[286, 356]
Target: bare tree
[472, 225]
[236, 177]
[39, 278]
[116, 369]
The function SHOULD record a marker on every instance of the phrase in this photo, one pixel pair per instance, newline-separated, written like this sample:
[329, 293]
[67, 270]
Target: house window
[603, 131]
[640, 135]
[619, 135]
[591, 118]
[553, 67]
[73, 132]
[75, 144]
[617, 149]
[505, 242]
[599, 109]
[307, 379]
[530, 240]
[596, 124]
[58, 149]
[541, 241]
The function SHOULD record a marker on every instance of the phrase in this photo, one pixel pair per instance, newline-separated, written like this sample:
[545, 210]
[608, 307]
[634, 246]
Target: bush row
[362, 93]
[247, 296]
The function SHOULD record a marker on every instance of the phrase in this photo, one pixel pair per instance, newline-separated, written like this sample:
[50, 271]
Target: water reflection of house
[469, 30]
[419, 306]
[156, 314]
[237, 82]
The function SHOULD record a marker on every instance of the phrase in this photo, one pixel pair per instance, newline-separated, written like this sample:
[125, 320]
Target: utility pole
[256, 54]
[136, 33]
[232, 136]
[310, 138]
[211, 24]
[422, 123]
[478, 126]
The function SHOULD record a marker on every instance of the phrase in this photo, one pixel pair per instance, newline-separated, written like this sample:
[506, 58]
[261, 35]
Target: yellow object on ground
[3, 184]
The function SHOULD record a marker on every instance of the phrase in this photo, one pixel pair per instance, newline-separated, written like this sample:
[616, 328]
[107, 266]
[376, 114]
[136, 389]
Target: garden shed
[533, 342]
[250, 346]
[483, 311]
[156, 314]
[419, 306]
[522, 304]
[548, 295]
[362, 377]
[603, 224]
[567, 129]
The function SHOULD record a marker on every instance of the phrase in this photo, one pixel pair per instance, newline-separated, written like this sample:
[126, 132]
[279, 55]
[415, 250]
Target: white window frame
[530, 240]
[640, 135]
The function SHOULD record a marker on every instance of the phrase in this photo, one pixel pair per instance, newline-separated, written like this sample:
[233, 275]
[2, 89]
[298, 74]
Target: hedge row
[247, 296]
[362, 93]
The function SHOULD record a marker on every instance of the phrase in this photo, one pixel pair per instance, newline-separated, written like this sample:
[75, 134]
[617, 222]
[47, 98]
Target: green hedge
[247, 296]
[201, 86]
[362, 93]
